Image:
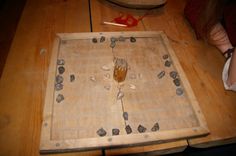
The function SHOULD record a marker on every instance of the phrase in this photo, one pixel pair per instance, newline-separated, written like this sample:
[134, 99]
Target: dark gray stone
[132, 39]
[61, 70]
[60, 62]
[161, 74]
[125, 115]
[166, 56]
[59, 79]
[102, 39]
[72, 77]
[128, 129]
[94, 40]
[141, 129]
[177, 82]
[179, 91]
[173, 74]
[115, 131]
[167, 63]
[58, 86]
[59, 98]
[155, 127]
[101, 132]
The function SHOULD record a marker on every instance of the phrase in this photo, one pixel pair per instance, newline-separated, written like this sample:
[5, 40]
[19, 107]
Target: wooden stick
[115, 24]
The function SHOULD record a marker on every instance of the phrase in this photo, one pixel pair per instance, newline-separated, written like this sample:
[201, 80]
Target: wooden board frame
[50, 145]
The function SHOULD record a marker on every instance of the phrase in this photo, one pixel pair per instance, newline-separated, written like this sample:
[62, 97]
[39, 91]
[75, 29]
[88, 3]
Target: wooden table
[23, 82]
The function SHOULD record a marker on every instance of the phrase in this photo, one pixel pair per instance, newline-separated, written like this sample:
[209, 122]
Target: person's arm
[219, 38]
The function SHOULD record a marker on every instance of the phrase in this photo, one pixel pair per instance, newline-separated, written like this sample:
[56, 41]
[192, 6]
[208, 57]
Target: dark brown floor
[10, 12]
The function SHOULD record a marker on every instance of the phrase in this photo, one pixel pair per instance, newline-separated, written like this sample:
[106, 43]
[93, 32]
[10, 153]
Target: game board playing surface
[86, 108]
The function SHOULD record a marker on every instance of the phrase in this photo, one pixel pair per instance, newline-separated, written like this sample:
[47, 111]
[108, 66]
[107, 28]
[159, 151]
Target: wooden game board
[90, 99]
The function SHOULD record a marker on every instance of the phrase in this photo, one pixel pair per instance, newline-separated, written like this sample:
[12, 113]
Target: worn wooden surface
[203, 65]
[22, 85]
[71, 124]
[23, 81]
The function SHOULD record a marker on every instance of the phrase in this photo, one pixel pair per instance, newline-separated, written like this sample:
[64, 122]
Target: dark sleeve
[192, 11]
[230, 22]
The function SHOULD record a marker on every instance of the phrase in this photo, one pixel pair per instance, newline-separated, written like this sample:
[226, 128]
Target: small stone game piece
[113, 44]
[177, 82]
[102, 39]
[155, 127]
[128, 129]
[141, 129]
[58, 86]
[132, 39]
[173, 74]
[61, 70]
[94, 40]
[179, 91]
[115, 131]
[59, 98]
[101, 132]
[60, 62]
[113, 39]
[167, 63]
[72, 77]
[59, 79]
[161, 74]
[166, 56]
[125, 115]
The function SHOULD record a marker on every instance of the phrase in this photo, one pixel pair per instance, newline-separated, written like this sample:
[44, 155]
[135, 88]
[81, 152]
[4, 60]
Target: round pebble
[60, 62]
[101, 132]
[141, 129]
[61, 70]
[179, 91]
[115, 131]
[125, 115]
[173, 74]
[60, 98]
[72, 78]
[132, 39]
[176, 82]
[167, 63]
[59, 79]
[94, 40]
[102, 39]
[58, 86]
[166, 56]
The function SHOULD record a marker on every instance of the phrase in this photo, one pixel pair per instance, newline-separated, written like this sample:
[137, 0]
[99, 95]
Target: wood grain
[203, 65]
[22, 85]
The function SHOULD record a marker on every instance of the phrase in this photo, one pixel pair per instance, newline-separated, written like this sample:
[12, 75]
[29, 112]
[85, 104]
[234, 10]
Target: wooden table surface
[23, 81]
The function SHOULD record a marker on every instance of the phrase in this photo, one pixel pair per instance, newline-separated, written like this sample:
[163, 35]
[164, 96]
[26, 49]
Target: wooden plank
[203, 65]
[157, 149]
[87, 105]
[22, 85]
